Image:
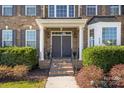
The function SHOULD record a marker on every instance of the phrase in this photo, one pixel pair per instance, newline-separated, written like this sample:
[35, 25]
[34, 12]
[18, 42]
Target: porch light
[6, 27]
[30, 27]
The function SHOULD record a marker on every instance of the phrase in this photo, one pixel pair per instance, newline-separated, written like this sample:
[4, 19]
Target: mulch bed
[36, 74]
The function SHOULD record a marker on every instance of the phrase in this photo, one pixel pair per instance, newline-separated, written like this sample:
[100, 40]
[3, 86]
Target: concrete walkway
[61, 82]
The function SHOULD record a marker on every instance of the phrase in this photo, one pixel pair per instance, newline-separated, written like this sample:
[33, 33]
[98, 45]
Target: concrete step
[56, 70]
[61, 73]
[64, 68]
[62, 64]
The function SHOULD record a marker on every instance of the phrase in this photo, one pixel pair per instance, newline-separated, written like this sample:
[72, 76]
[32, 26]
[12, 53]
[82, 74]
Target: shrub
[103, 56]
[20, 70]
[12, 56]
[5, 71]
[15, 72]
[116, 76]
[89, 76]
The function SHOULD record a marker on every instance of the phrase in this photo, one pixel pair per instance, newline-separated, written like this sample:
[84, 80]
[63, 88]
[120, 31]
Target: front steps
[61, 67]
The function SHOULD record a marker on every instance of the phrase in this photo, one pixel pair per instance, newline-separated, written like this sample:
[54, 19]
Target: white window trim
[26, 6]
[109, 37]
[3, 36]
[95, 11]
[119, 12]
[98, 31]
[60, 17]
[3, 6]
[26, 37]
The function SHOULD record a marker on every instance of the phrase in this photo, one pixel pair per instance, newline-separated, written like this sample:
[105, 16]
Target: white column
[41, 43]
[80, 42]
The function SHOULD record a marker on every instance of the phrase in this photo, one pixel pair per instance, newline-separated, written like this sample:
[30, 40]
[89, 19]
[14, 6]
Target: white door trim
[61, 39]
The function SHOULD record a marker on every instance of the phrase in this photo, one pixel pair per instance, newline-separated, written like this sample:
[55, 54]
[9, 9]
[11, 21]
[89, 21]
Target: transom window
[30, 10]
[114, 10]
[7, 38]
[91, 10]
[61, 11]
[109, 35]
[31, 38]
[7, 10]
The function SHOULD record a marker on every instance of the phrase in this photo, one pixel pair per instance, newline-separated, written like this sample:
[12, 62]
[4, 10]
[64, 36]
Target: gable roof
[96, 19]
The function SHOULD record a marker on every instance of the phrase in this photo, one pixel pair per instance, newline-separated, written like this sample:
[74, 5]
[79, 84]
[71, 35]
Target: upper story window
[7, 10]
[31, 38]
[30, 10]
[7, 38]
[61, 11]
[109, 35]
[114, 9]
[91, 10]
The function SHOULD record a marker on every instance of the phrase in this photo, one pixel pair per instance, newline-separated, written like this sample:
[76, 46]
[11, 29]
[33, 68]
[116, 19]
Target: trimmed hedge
[12, 56]
[103, 56]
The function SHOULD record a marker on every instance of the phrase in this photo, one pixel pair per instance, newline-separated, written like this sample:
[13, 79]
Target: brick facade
[19, 23]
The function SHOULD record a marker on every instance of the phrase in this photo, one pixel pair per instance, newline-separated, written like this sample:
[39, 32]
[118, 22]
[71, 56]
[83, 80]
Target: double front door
[61, 44]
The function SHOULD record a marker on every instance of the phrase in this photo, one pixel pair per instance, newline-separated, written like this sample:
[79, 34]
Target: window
[61, 11]
[114, 10]
[7, 10]
[91, 10]
[71, 11]
[7, 39]
[91, 42]
[109, 35]
[30, 10]
[31, 38]
[51, 11]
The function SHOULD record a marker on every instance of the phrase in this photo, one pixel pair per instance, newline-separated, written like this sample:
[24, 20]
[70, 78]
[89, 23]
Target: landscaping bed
[19, 68]
[34, 79]
[103, 67]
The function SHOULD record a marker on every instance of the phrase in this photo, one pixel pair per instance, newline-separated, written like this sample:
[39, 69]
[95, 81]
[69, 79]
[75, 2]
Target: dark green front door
[61, 46]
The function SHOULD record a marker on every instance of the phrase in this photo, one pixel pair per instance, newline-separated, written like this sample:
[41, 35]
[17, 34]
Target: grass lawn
[23, 84]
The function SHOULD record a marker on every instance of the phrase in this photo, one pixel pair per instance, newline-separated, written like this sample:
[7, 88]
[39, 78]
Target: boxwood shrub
[12, 56]
[103, 56]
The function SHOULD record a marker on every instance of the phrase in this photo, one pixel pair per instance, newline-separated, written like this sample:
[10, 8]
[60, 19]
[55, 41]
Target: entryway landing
[61, 74]
[61, 67]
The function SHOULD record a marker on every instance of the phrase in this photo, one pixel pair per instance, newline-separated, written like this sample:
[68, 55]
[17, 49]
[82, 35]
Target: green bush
[103, 56]
[12, 56]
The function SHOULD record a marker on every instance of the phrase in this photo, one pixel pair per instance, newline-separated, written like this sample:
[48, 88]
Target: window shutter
[14, 38]
[122, 9]
[37, 40]
[38, 10]
[0, 37]
[107, 9]
[0, 10]
[22, 37]
[99, 9]
[46, 11]
[84, 10]
[76, 10]
[23, 10]
[14, 10]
